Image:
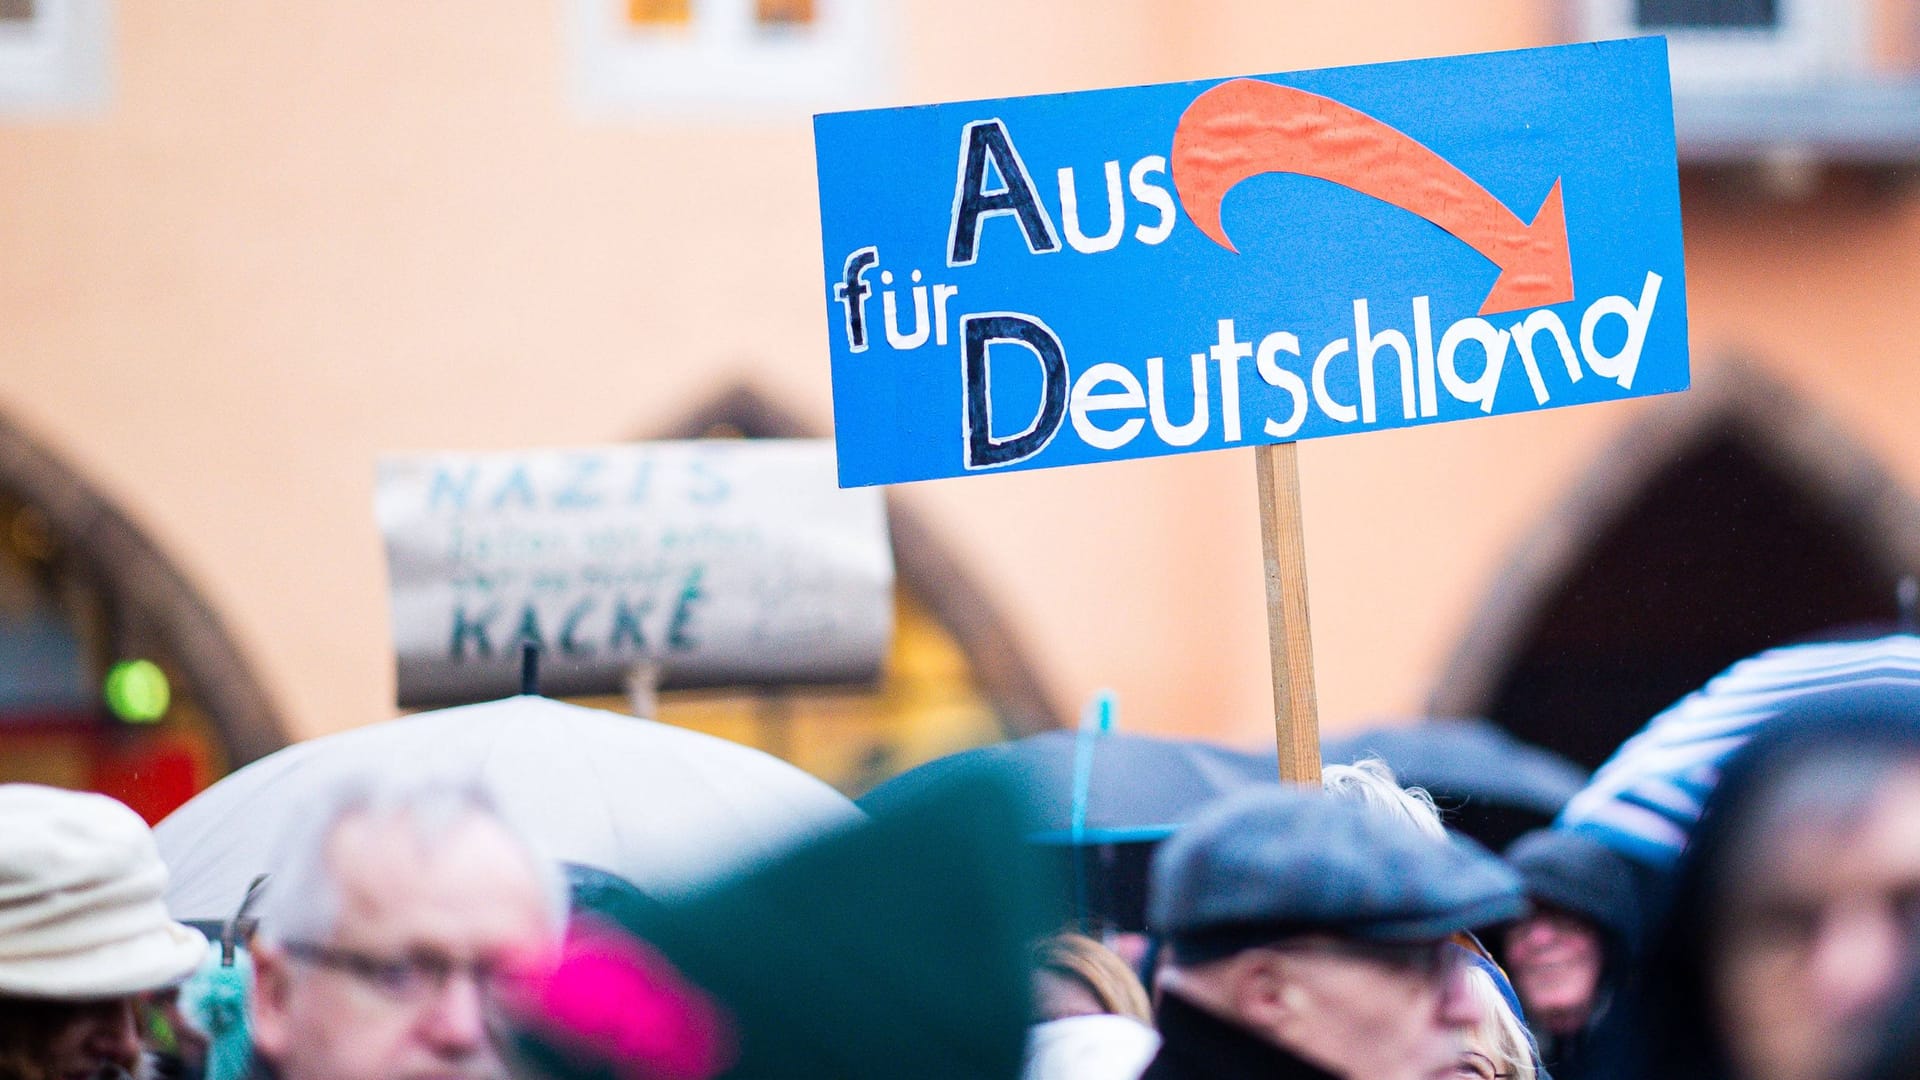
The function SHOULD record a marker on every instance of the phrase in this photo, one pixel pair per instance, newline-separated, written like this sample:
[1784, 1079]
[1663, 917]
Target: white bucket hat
[81, 914]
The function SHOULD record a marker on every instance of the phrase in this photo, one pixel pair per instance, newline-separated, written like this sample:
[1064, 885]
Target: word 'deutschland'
[985, 318]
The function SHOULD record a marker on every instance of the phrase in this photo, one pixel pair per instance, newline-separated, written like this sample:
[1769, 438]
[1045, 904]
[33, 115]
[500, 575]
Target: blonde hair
[1499, 1034]
[1371, 783]
[1096, 967]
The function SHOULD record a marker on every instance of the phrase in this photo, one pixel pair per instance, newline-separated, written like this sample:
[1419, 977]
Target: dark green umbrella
[895, 948]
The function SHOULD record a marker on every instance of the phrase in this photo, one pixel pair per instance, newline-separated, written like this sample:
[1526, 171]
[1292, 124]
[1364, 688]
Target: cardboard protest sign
[1056, 280]
[723, 561]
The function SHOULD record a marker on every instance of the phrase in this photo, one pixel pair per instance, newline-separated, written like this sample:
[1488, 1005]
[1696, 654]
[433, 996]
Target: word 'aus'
[994, 182]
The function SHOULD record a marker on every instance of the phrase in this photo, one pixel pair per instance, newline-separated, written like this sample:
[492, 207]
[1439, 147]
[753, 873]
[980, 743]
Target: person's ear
[270, 1001]
[1263, 993]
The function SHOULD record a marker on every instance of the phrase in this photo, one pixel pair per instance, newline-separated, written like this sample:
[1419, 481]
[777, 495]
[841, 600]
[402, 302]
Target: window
[1707, 14]
[653, 56]
[1736, 503]
[92, 694]
[53, 56]
[794, 13]
[1702, 536]
[1741, 45]
[653, 13]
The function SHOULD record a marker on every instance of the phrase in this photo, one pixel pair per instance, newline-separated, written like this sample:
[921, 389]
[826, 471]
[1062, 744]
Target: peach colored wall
[307, 234]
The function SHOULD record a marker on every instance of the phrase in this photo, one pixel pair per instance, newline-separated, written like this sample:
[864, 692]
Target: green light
[137, 691]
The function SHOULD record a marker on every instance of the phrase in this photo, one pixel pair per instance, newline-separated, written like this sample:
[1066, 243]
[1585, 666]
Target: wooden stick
[643, 689]
[1296, 720]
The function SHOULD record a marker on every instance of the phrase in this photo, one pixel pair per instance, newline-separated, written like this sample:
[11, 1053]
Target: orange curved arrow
[1246, 127]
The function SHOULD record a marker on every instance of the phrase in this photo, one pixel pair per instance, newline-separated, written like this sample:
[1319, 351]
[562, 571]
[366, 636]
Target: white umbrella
[661, 806]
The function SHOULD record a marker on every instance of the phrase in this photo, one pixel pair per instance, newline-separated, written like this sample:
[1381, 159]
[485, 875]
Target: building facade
[247, 249]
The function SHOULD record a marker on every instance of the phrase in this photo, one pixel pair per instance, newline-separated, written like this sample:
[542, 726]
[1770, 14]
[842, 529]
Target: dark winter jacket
[1677, 1032]
[1196, 1045]
[1579, 875]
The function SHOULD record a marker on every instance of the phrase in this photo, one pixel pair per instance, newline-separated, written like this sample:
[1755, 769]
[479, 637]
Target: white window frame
[59, 61]
[1814, 41]
[722, 59]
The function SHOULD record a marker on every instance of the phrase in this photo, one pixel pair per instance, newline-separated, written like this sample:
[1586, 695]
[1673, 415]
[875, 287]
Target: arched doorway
[1728, 521]
[955, 676]
[115, 675]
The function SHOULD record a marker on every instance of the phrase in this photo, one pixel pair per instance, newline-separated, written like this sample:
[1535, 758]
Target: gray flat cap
[1282, 862]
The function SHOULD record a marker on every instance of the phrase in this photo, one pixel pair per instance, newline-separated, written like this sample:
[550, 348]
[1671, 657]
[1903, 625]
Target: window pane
[783, 12]
[1708, 14]
[659, 12]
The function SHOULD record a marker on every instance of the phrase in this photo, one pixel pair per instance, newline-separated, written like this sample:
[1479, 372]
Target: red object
[1246, 127]
[152, 775]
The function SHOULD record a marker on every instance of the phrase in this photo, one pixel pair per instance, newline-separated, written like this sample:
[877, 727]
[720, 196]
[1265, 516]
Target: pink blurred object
[612, 996]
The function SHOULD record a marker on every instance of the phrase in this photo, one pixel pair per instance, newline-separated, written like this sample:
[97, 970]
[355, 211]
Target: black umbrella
[1100, 798]
[1090, 787]
[1492, 785]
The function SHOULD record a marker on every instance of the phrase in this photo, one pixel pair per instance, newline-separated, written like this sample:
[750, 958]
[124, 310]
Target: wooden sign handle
[1296, 720]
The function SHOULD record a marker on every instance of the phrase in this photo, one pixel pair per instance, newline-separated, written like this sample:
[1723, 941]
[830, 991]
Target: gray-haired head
[1371, 783]
[301, 900]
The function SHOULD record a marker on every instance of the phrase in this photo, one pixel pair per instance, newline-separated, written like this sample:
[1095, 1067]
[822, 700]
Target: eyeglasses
[413, 979]
[1429, 959]
[1476, 1066]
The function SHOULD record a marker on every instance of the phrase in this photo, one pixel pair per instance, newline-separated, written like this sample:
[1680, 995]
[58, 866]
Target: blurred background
[246, 248]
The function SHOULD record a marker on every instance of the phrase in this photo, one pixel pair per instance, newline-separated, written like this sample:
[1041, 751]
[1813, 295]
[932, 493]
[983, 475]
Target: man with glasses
[391, 917]
[1309, 939]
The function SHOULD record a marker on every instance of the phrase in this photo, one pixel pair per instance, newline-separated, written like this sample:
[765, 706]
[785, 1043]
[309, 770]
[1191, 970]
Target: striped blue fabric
[1644, 801]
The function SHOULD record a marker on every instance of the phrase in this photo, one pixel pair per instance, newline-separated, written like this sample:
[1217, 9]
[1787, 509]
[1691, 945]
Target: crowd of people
[410, 931]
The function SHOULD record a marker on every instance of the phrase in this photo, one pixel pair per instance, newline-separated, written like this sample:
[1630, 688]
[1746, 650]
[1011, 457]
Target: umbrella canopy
[1646, 798]
[1467, 759]
[1091, 786]
[661, 806]
[896, 948]
[1100, 800]
[1493, 786]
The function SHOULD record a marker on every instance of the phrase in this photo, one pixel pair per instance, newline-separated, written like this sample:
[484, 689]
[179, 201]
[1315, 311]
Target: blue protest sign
[1071, 278]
